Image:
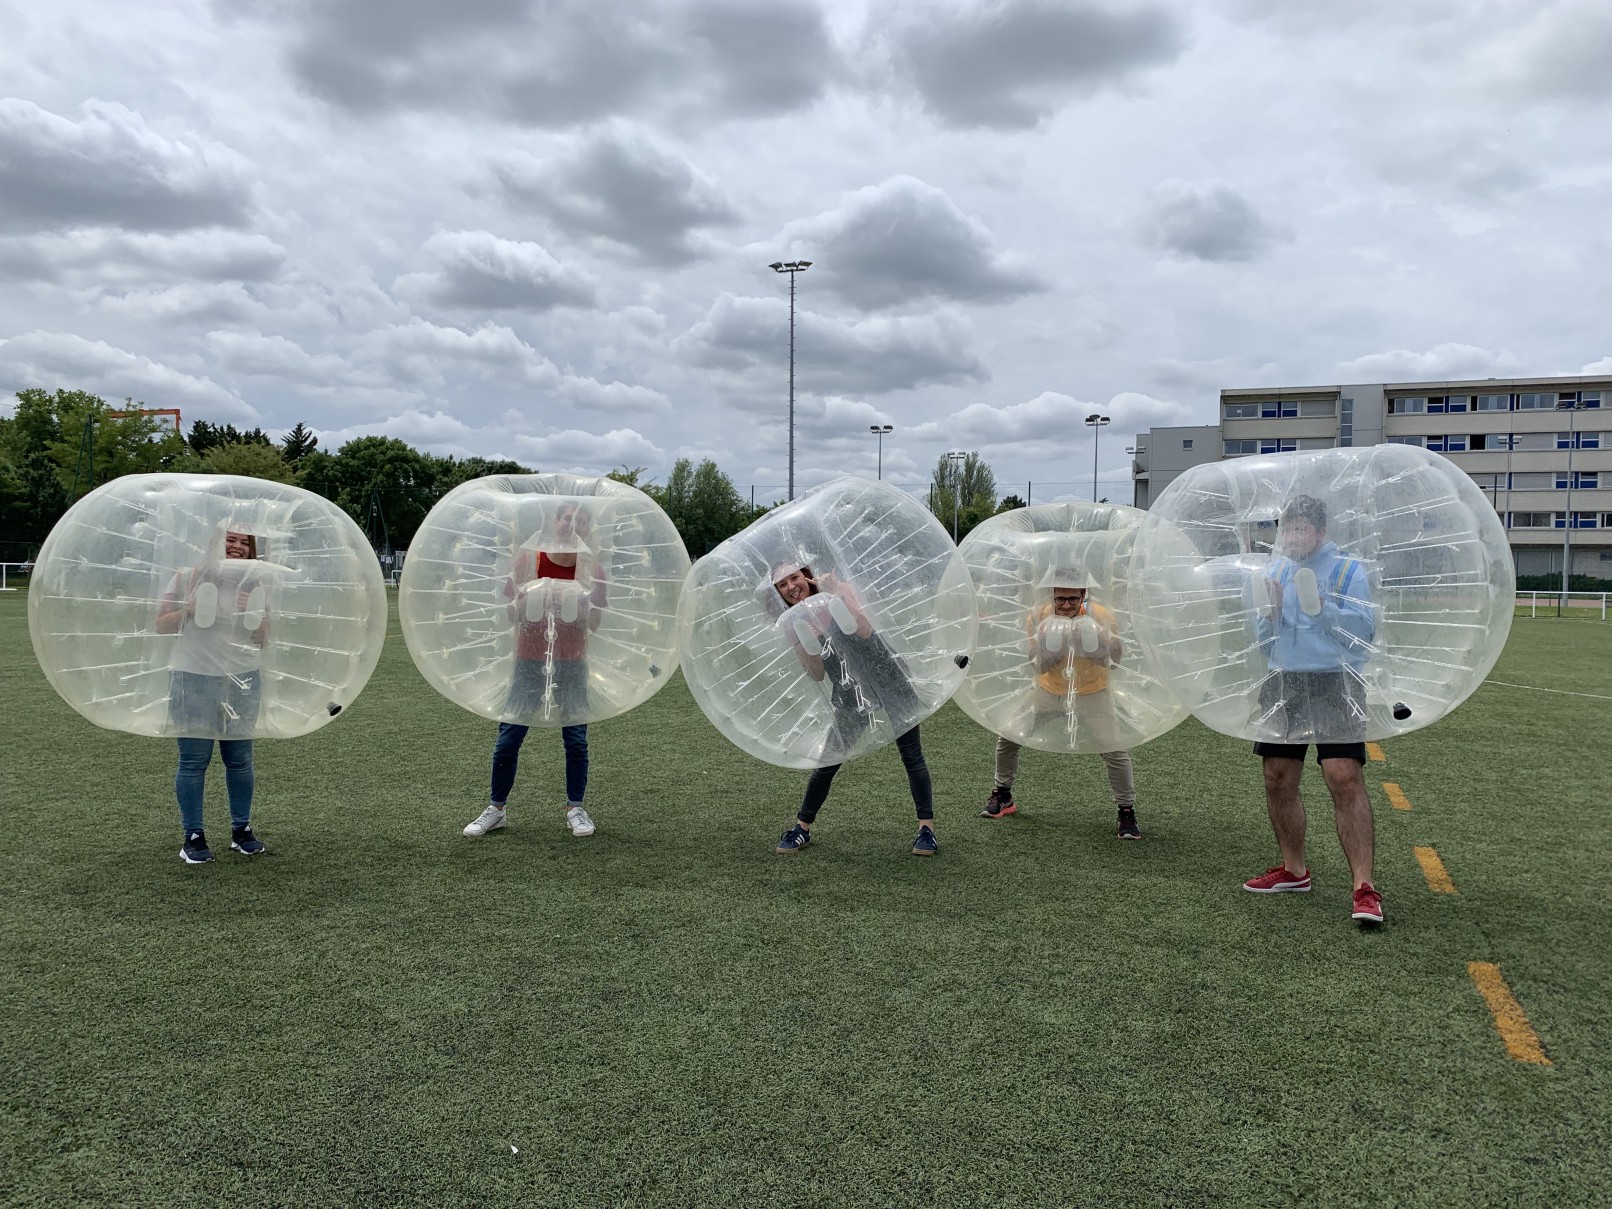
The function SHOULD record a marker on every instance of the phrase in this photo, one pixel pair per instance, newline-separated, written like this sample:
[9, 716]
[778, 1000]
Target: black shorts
[1323, 751]
[1300, 708]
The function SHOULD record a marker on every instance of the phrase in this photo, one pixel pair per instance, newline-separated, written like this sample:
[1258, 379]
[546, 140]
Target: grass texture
[382, 1012]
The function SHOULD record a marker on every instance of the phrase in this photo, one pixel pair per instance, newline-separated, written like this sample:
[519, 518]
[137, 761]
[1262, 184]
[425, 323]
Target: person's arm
[596, 601]
[1349, 617]
[1268, 615]
[176, 605]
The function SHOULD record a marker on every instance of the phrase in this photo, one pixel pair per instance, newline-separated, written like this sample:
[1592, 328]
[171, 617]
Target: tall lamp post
[791, 267]
[881, 431]
[1571, 409]
[1095, 422]
[957, 458]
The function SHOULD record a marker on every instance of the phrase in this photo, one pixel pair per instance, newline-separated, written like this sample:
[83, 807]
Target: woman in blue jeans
[217, 611]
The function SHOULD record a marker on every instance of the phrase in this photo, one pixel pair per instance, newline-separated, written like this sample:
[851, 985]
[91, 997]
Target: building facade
[1539, 448]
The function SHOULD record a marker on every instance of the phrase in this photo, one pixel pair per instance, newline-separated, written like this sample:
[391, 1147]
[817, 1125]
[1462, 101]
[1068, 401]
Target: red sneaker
[1368, 905]
[1278, 880]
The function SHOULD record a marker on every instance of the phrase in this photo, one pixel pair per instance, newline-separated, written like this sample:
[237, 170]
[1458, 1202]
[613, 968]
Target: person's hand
[1273, 590]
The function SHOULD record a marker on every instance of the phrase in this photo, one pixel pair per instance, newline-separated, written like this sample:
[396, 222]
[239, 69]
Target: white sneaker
[490, 819]
[578, 821]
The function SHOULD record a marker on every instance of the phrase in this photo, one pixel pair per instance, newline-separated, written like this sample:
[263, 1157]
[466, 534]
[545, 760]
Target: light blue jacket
[1338, 637]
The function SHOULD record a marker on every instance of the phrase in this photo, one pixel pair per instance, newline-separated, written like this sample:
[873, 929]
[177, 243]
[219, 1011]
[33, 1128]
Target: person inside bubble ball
[214, 686]
[863, 674]
[551, 666]
[1314, 622]
[1072, 643]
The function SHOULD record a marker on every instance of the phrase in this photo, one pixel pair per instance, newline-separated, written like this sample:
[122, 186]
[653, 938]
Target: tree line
[57, 446]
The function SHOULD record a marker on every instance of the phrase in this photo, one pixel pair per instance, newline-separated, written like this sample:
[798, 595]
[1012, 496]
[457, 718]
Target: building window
[1578, 440]
[1411, 406]
[1533, 442]
[1317, 407]
[1279, 409]
[1417, 441]
[1531, 520]
[1186, 442]
[1492, 403]
[1346, 423]
[1488, 480]
[1589, 398]
[1538, 480]
[1536, 401]
[1240, 411]
[1278, 445]
[1589, 440]
[1583, 480]
[1450, 442]
[1585, 520]
[1606, 522]
[1236, 449]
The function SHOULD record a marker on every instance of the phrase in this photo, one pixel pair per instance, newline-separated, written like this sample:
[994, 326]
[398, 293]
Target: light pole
[1095, 422]
[957, 457]
[881, 431]
[1567, 529]
[791, 267]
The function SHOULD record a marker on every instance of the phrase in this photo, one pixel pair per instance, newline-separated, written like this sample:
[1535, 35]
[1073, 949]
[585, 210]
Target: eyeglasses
[1056, 599]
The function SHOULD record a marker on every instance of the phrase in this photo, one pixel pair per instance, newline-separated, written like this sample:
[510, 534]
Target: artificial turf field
[380, 1011]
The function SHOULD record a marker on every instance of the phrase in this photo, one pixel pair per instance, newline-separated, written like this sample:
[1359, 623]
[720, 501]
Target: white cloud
[1442, 362]
[589, 452]
[62, 360]
[480, 271]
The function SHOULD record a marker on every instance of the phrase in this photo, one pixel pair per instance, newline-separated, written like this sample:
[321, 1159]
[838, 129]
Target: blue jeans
[912, 755]
[191, 784]
[507, 752]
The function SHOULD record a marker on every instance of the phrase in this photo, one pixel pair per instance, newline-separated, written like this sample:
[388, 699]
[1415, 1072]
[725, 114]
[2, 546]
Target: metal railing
[1555, 603]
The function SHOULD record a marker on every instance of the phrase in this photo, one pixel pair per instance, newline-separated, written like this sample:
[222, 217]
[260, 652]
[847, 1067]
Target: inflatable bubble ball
[1324, 597]
[207, 606]
[1056, 663]
[544, 599]
[829, 627]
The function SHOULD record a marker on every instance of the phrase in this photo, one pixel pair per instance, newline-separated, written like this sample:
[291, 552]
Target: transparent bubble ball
[146, 619]
[544, 599]
[876, 644]
[1071, 677]
[1331, 596]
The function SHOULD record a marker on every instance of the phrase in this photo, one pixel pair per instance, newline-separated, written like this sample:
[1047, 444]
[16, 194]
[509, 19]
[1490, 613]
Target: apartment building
[1540, 449]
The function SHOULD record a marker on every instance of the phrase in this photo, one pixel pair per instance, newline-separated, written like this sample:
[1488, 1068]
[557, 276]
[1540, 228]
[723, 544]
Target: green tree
[298, 444]
[962, 493]
[703, 503]
[382, 483]
[449, 471]
[633, 476]
[250, 459]
[205, 437]
[1010, 502]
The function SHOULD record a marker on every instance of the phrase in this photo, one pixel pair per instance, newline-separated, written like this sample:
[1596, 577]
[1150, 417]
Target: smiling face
[794, 587]
[1066, 602]
[237, 545]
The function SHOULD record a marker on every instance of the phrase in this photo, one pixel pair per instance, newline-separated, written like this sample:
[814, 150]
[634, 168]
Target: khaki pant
[1095, 713]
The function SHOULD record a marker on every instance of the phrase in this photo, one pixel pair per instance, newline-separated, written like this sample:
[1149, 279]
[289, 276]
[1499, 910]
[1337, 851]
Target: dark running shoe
[195, 850]
[1000, 804]
[926, 844]
[1127, 828]
[796, 838]
[243, 841]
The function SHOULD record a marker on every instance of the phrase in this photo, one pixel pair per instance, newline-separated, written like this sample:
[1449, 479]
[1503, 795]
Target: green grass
[383, 1012]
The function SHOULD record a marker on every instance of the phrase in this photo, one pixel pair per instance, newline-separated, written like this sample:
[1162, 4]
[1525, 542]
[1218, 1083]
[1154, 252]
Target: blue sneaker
[243, 841]
[195, 850]
[796, 838]
[926, 844]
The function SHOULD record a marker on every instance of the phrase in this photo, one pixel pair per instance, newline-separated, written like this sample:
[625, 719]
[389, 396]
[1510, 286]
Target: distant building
[1540, 448]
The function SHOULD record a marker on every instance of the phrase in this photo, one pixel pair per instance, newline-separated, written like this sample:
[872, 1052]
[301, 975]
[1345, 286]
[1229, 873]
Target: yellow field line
[1522, 1043]
[1438, 877]
[1396, 796]
[1375, 751]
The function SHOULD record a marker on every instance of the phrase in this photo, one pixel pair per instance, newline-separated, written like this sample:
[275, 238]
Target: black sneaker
[1000, 804]
[796, 838]
[1127, 828]
[926, 844]
[243, 841]
[195, 850]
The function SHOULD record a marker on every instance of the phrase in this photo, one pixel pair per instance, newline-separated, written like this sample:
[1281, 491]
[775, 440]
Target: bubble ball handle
[206, 610]
[1309, 591]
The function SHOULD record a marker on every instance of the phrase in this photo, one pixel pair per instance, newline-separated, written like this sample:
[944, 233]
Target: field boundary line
[1561, 691]
[1510, 1021]
[1375, 751]
[1396, 796]
[1438, 877]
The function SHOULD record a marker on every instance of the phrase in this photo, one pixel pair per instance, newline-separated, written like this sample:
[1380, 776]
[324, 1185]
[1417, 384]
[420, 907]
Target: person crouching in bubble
[1072, 644]
[556, 599]
[218, 612]
[836, 642]
[1314, 622]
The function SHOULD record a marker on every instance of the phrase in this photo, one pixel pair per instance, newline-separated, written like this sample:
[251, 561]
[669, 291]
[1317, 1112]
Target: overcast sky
[541, 228]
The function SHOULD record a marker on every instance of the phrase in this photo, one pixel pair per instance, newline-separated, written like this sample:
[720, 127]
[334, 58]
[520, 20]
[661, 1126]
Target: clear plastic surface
[1324, 597]
[544, 599]
[867, 637]
[1056, 663]
[207, 606]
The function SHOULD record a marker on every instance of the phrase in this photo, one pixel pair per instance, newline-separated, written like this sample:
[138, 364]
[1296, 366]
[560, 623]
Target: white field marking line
[1561, 691]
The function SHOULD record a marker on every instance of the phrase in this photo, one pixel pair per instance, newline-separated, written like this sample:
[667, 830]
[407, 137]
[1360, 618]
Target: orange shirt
[1090, 675]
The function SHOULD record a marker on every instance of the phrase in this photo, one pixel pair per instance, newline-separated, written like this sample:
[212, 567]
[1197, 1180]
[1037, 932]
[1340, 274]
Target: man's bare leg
[1351, 806]
[1286, 809]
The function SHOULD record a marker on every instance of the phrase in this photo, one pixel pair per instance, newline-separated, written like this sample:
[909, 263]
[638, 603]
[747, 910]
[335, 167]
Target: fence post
[1028, 498]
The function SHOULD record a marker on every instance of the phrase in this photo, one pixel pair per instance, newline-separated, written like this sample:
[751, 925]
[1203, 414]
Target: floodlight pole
[880, 431]
[791, 267]
[1095, 422]
[957, 457]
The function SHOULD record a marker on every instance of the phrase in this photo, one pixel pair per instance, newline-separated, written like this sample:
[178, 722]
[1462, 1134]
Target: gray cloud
[111, 169]
[102, 254]
[903, 242]
[872, 356]
[483, 272]
[1013, 63]
[1214, 223]
[1440, 363]
[621, 189]
[553, 63]
[60, 359]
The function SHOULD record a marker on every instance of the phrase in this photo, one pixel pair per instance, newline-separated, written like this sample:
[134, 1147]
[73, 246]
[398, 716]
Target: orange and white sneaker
[1277, 880]
[1368, 905]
